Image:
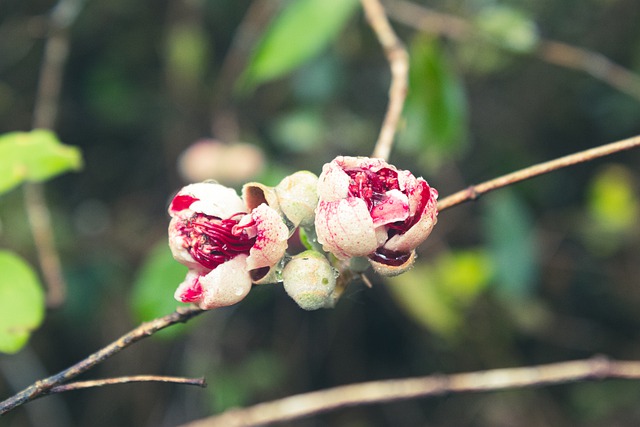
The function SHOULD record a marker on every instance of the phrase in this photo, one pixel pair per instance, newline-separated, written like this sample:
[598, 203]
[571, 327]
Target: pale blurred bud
[226, 163]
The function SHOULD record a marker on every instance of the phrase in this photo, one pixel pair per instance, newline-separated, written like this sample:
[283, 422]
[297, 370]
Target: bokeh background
[158, 93]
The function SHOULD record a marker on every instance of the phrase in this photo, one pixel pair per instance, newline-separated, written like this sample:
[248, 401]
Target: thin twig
[39, 218]
[302, 405]
[45, 111]
[475, 191]
[551, 51]
[79, 385]
[399, 63]
[44, 386]
[593, 63]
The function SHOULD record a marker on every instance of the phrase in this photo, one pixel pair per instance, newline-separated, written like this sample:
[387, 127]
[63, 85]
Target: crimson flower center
[372, 186]
[212, 241]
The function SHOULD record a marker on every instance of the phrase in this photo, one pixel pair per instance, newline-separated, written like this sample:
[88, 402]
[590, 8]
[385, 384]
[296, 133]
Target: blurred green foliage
[21, 302]
[436, 106]
[508, 27]
[438, 293]
[156, 279]
[511, 241]
[236, 386]
[299, 33]
[34, 156]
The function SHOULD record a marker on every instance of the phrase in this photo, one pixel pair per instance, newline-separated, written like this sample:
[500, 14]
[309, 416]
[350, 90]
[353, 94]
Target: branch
[399, 62]
[554, 52]
[79, 385]
[475, 191]
[44, 386]
[301, 405]
[45, 110]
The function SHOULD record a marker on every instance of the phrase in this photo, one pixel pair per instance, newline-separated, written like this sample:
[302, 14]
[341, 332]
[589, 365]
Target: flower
[224, 247]
[369, 208]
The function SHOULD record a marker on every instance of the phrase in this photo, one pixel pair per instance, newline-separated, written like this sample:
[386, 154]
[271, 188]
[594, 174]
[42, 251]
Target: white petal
[333, 183]
[345, 228]
[418, 233]
[225, 285]
[213, 199]
[271, 238]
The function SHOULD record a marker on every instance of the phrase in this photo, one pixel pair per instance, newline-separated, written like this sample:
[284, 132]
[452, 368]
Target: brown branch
[475, 191]
[398, 59]
[302, 405]
[554, 52]
[593, 63]
[39, 217]
[44, 386]
[79, 385]
[45, 110]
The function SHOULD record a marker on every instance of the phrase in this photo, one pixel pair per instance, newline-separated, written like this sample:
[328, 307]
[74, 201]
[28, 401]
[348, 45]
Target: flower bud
[310, 280]
[295, 197]
[298, 197]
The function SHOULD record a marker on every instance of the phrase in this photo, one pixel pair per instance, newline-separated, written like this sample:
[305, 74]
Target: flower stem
[475, 191]
[398, 59]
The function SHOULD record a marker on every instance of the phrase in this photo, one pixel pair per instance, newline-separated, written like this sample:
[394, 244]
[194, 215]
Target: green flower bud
[310, 280]
[298, 197]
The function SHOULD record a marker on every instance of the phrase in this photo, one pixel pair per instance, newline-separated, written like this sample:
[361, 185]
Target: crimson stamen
[212, 241]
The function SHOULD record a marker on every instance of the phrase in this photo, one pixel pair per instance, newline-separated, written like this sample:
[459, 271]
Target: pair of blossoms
[358, 209]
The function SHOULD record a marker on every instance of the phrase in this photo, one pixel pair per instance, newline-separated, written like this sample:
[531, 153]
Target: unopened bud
[310, 280]
[298, 197]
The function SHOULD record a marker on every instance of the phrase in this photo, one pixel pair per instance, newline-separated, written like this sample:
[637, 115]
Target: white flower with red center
[224, 247]
[369, 208]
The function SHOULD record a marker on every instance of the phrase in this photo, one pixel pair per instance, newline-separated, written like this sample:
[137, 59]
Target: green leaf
[436, 107]
[612, 202]
[437, 295]
[300, 32]
[613, 209]
[155, 285]
[509, 231]
[34, 156]
[21, 302]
